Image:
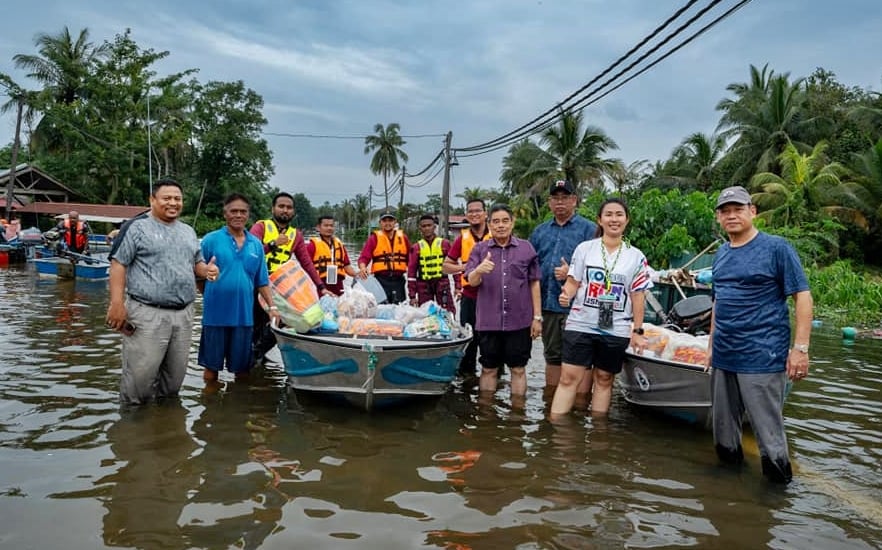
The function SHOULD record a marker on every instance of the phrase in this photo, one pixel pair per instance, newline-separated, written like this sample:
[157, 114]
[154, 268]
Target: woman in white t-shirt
[605, 283]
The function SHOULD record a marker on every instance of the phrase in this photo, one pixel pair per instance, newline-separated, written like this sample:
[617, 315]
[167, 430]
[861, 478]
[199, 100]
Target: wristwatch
[638, 331]
[537, 318]
[802, 348]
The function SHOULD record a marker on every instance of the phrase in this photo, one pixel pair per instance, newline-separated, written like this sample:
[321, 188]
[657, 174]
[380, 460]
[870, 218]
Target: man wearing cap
[74, 232]
[425, 279]
[386, 251]
[751, 352]
[555, 241]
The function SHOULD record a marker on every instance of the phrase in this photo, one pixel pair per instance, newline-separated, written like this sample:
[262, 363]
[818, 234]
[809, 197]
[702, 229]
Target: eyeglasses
[559, 198]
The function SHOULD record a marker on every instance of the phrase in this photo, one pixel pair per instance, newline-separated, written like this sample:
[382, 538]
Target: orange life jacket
[468, 243]
[389, 256]
[75, 239]
[321, 258]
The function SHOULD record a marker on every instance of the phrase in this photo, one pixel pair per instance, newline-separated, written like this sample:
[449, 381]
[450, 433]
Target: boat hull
[63, 268]
[369, 372]
[679, 390]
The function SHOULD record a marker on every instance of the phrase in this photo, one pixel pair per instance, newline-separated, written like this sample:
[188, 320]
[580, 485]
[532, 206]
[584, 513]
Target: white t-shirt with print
[629, 272]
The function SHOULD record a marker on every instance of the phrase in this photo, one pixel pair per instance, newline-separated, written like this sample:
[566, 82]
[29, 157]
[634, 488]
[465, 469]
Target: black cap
[388, 214]
[562, 185]
[736, 194]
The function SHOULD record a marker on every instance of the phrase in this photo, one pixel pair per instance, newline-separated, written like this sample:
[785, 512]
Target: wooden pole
[445, 190]
[16, 143]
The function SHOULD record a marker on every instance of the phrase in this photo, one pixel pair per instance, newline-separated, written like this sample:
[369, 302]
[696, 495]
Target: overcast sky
[478, 69]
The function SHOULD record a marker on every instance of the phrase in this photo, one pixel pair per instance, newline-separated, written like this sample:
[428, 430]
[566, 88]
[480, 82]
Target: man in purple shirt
[505, 272]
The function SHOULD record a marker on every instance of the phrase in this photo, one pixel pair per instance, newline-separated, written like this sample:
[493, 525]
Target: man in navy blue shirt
[752, 356]
[555, 241]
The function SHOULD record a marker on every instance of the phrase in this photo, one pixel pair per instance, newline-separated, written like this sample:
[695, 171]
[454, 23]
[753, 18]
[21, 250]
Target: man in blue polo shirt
[228, 305]
[752, 356]
[555, 241]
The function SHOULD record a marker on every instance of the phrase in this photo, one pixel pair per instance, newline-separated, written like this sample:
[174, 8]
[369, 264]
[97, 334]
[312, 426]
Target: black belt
[173, 307]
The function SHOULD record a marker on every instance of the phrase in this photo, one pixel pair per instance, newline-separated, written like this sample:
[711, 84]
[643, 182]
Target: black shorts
[599, 350]
[505, 347]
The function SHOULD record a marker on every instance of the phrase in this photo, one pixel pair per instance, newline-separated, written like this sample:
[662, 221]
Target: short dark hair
[324, 217]
[166, 182]
[236, 197]
[498, 207]
[470, 201]
[281, 194]
[429, 217]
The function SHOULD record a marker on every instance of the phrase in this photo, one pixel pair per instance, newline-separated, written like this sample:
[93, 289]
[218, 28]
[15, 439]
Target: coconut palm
[626, 176]
[577, 153]
[697, 155]
[807, 185]
[527, 171]
[386, 145]
[62, 63]
[867, 168]
[765, 116]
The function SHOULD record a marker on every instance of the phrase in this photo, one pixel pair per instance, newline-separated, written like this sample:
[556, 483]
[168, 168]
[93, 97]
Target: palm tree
[527, 170]
[867, 167]
[624, 176]
[576, 152]
[62, 64]
[386, 145]
[765, 116]
[807, 185]
[698, 155]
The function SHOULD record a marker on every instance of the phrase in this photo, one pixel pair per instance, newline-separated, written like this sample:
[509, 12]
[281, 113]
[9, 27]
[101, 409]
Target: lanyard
[607, 271]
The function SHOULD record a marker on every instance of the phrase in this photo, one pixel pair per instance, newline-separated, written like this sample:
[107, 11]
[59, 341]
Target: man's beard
[283, 219]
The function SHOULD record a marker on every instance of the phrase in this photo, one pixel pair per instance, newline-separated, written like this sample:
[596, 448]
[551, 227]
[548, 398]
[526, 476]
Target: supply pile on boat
[670, 345]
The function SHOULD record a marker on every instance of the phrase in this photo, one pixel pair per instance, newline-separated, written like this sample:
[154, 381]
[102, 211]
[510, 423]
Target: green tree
[697, 158]
[578, 152]
[386, 145]
[764, 117]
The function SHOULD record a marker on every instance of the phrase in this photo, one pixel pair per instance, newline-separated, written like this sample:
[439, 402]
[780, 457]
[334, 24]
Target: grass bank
[846, 295]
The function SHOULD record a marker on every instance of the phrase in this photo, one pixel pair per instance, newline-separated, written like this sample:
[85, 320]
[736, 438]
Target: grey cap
[735, 194]
[388, 214]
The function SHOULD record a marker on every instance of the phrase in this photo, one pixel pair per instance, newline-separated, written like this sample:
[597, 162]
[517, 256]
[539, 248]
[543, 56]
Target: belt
[173, 307]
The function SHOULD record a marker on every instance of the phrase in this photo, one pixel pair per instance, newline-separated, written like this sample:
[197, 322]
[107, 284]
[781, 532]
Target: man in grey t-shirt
[152, 288]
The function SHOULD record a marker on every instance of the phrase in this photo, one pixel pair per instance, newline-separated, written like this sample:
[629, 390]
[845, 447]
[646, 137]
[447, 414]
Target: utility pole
[445, 190]
[370, 204]
[401, 200]
[16, 143]
[150, 151]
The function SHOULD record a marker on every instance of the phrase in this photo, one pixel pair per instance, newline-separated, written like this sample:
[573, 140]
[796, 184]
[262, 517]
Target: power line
[578, 106]
[330, 136]
[538, 124]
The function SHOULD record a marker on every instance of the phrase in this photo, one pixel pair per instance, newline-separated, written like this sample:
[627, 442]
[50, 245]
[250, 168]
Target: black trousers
[467, 315]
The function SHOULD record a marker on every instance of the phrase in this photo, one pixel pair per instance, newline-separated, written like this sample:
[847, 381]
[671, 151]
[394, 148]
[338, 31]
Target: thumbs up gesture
[560, 272]
[211, 270]
[486, 265]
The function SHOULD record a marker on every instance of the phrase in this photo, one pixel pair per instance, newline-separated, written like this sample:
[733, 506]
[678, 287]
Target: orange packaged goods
[371, 327]
[686, 348]
[656, 338]
[296, 297]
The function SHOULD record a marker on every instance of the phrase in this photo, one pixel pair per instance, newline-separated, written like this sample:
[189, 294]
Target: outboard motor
[692, 315]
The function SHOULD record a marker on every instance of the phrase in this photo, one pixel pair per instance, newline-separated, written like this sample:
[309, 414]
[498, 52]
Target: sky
[478, 69]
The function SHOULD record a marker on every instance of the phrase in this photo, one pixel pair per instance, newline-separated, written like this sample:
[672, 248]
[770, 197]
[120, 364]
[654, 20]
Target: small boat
[370, 371]
[676, 389]
[12, 254]
[67, 267]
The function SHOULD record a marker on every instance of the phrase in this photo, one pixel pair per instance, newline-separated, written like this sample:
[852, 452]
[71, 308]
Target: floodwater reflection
[250, 465]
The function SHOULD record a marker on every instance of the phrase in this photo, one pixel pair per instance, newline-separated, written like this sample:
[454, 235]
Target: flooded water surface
[250, 465]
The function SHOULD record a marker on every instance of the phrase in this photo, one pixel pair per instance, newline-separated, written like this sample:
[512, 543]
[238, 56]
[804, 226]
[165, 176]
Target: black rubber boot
[777, 471]
[730, 456]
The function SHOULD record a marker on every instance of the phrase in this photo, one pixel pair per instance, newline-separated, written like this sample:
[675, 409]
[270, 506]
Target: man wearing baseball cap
[555, 241]
[386, 251]
[751, 352]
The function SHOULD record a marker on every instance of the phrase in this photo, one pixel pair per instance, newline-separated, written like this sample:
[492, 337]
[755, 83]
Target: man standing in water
[425, 280]
[386, 251]
[280, 242]
[752, 357]
[505, 273]
[454, 264]
[228, 304]
[152, 288]
[555, 241]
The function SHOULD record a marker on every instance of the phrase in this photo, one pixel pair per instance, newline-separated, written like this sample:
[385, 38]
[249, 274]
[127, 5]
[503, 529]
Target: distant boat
[370, 371]
[66, 267]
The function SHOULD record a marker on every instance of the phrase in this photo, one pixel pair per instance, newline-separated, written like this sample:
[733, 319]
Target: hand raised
[486, 265]
[560, 272]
